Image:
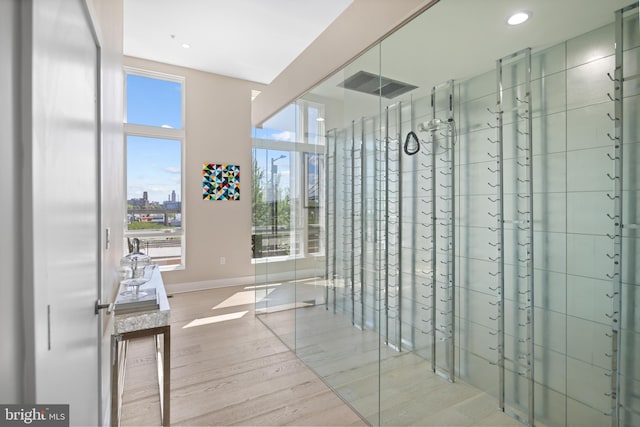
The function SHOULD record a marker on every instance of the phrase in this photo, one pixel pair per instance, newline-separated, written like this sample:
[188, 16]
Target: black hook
[411, 136]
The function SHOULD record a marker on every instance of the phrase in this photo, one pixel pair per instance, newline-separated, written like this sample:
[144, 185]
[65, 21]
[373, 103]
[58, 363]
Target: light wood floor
[234, 371]
[227, 371]
[385, 386]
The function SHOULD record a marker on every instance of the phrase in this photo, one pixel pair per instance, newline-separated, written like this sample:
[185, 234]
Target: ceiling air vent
[375, 85]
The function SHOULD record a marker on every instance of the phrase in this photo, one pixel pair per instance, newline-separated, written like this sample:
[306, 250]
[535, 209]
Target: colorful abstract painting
[220, 182]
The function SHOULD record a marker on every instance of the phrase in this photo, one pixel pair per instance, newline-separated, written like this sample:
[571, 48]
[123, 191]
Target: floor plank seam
[240, 404]
[230, 375]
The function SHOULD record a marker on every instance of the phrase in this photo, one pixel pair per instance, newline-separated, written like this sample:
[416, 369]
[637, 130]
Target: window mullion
[153, 131]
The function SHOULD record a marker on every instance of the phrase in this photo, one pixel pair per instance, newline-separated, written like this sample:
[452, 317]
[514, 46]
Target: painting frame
[220, 182]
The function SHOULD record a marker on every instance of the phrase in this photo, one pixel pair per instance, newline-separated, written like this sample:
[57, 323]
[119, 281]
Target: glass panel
[412, 343]
[336, 333]
[154, 102]
[275, 239]
[315, 123]
[313, 185]
[281, 127]
[272, 234]
[406, 289]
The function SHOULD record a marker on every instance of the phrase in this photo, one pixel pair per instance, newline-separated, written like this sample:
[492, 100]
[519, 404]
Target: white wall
[11, 351]
[108, 18]
[110, 22]
[218, 130]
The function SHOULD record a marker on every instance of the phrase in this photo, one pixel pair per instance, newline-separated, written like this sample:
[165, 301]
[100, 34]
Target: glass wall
[479, 222]
[288, 209]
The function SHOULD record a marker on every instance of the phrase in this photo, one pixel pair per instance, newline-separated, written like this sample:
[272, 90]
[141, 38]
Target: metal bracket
[99, 306]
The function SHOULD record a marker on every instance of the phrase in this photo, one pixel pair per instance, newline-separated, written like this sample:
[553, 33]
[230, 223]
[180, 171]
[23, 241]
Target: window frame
[138, 130]
[298, 151]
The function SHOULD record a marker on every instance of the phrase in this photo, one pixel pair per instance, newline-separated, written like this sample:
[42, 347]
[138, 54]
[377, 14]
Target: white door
[65, 205]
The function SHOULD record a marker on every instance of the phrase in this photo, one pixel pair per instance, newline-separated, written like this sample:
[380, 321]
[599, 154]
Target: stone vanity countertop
[136, 321]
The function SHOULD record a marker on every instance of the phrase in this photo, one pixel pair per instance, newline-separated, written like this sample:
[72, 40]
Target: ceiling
[457, 39]
[247, 39]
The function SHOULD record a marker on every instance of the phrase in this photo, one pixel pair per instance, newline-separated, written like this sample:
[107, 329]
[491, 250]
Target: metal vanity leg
[115, 383]
[166, 359]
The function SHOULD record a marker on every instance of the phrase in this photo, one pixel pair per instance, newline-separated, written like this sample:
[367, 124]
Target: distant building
[138, 203]
[145, 203]
[173, 195]
[173, 205]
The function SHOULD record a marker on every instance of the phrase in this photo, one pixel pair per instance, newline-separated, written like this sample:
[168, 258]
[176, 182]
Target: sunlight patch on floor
[270, 285]
[283, 307]
[241, 298]
[215, 319]
[235, 300]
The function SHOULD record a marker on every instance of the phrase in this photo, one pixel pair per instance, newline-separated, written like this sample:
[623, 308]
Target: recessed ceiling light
[518, 18]
[320, 119]
[186, 45]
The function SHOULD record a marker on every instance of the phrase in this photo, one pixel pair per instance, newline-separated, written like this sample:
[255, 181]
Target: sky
[281, 127]
[153, 165]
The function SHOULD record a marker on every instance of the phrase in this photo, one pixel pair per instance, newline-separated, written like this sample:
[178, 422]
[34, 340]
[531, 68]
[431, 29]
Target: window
[272, 197]
[154, 101]
[313, 184]
[314, 123]
[281, 127]
[288, 183]
[154, 136]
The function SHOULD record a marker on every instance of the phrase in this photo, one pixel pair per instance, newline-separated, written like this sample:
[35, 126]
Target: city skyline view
[154, 166]
[171, 198]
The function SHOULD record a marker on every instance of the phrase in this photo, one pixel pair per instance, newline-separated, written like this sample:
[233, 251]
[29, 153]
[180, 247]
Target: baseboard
[177, 288]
